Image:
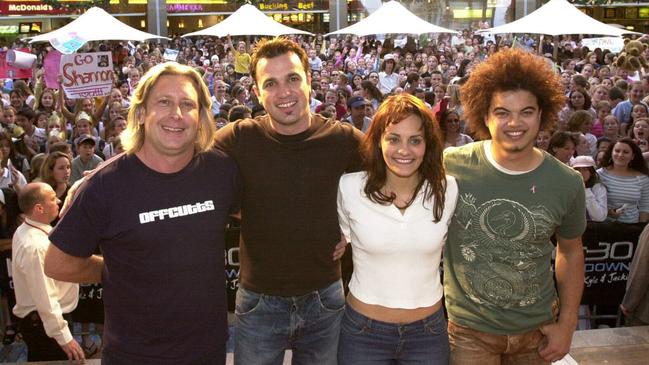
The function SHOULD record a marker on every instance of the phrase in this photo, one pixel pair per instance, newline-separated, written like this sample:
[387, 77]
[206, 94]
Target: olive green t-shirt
[497, 260]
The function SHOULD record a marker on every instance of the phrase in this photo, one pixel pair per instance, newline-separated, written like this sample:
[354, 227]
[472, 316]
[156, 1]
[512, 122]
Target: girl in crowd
[596, 205]
[55, 171]
[581, 121]
[357, 80]
[9, 121]
[638, 111]
[543, 140]
[440, 92]
[115, 127]
[10, 157]
[25, 93]
[373, 206]
[577, 100]
[562, 146]
[625, 175]
[371, 93]
[611, 128]
[602, 109]
[449, 124]
[598, 93]
[46, 101]
[639, 133]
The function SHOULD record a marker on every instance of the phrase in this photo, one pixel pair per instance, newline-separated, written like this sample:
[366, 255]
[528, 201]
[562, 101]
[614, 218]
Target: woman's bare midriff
[391, 315]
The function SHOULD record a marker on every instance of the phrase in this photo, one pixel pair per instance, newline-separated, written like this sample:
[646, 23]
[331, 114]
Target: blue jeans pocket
[246, 302]
[352, 326]
[436, 325]
[332, 299]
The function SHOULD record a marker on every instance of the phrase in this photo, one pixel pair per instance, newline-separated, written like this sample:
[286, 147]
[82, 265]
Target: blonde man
[162, 242]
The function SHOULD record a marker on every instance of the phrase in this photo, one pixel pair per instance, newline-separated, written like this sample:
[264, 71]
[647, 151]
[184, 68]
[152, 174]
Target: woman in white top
[596, 206]
[396, 214]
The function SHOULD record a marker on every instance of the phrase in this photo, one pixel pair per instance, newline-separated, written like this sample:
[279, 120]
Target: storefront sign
[284, 6]
[87, 75]
[28, 8]
[184, 8]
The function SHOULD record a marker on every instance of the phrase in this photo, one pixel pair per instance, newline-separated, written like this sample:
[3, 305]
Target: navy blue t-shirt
[162, 238]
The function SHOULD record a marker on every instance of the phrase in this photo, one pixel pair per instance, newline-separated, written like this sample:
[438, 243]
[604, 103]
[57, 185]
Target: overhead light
[142, 23]
[200, 23]
[167, 23]
[181, 24]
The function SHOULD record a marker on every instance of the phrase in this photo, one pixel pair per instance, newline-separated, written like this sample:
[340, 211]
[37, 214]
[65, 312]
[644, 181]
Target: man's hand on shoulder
[339, 250]
[74, 352]
[556, 342]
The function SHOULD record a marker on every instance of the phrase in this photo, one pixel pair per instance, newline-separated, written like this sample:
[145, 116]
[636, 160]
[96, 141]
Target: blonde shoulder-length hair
[133, 136]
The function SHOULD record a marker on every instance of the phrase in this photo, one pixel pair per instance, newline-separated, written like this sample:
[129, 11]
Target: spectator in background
[635, 304]
[41, 302]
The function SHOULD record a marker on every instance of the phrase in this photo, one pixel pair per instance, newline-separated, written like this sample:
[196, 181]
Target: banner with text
[87, 75]
[608, 252]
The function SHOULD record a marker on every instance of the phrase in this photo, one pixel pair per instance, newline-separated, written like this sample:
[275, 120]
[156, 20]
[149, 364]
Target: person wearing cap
[596, 206]
[503, 303]
[356, 106]
[388, 77]
[86, 159]
[83, 125]
[42, 303]
[162, 269]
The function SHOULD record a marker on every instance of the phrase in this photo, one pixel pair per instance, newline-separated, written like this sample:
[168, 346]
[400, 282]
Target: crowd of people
[271, 106]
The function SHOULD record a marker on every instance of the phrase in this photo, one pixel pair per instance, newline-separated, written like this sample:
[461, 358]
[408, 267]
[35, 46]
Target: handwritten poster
[87, 75]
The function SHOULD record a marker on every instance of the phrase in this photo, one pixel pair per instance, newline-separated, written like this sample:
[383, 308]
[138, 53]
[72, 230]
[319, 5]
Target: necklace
[39, 228]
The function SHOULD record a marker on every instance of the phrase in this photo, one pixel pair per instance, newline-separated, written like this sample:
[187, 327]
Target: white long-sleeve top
[35, 291]
[596, 205]
[396, 256]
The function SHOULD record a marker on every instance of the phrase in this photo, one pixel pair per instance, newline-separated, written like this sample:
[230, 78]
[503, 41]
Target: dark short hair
[27, 113]
[271, 48]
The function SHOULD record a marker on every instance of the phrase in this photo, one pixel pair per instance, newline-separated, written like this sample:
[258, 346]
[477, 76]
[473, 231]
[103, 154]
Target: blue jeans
[367, 341]
[309, 325]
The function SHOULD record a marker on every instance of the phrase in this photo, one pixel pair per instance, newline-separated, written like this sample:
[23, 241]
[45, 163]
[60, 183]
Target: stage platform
[610, 346]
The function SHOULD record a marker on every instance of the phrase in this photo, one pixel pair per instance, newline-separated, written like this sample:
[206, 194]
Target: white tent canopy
[247, 20]
[557, 17]
[391, 18]
[96, 25]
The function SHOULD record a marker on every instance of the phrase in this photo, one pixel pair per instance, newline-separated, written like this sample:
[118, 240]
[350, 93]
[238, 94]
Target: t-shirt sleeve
[643, 205]
[574, 221]
[343, 213]
[225, 138]
[79, 231]
[355, 161]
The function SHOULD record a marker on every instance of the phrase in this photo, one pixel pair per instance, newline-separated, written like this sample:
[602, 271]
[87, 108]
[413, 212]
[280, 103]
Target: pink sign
[51, 69]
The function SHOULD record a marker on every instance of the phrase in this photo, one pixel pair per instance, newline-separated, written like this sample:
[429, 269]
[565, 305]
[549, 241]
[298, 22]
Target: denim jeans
[309, 325]
[218, 358]
[366, 341]
[471, 347]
